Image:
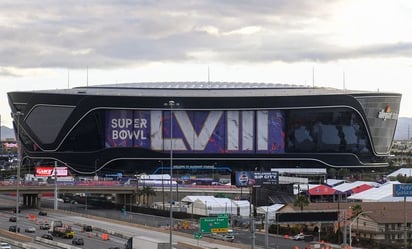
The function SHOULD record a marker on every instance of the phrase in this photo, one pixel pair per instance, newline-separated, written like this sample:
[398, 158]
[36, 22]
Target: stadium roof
[201, 89]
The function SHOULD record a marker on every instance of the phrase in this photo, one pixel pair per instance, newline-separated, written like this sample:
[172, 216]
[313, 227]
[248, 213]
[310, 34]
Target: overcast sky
[356, 44]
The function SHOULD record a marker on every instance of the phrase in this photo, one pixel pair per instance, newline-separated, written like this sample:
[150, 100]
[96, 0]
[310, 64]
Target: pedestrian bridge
[124, 193]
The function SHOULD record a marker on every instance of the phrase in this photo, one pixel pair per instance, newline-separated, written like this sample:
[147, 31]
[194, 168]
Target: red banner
[49, 171]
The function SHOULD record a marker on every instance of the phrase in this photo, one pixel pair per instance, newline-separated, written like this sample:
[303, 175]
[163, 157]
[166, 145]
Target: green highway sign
[214, 224]
[198, 235]
[223, 215]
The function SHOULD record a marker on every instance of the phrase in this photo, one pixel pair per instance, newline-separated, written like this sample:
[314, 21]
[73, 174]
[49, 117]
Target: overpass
[124, 193]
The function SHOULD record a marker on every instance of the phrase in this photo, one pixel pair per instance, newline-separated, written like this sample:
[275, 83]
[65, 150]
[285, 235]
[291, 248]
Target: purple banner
[127, 128]
[214, 132]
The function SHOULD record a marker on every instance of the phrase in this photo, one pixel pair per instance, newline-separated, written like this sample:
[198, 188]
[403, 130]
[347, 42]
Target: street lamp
[350, 226]
[171, 104]
[137, 189]
[16, 116]
[56, 193]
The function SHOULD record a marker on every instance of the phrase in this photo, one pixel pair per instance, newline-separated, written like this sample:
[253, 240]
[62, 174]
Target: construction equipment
[58, 229]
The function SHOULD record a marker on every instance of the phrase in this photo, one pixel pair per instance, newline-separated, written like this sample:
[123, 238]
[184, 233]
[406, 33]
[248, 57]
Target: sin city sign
[260, 131]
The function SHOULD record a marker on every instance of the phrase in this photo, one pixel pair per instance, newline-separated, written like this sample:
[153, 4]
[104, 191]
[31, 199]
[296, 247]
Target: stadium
[139, 127]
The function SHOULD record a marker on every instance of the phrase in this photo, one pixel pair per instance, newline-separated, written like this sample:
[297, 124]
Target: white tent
[270, 210]
[347, 186]
[382, 194]
[402, 171]
[211, 206]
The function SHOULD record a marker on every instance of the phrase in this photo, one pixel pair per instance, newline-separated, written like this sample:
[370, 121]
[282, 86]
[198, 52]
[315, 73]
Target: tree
[301, 201]
[356, 210]
[140, 193]
[148, 191]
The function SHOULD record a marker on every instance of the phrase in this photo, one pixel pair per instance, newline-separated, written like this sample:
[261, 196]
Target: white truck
[143, 242]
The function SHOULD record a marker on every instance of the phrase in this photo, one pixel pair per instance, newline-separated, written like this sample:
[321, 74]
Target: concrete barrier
[15, 236]
[184, 245]
[55, 243]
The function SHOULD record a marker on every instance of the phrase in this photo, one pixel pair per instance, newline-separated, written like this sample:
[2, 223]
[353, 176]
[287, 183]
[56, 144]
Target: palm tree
[148, 191]
[140, 193]
[356, 210]
[301, 201]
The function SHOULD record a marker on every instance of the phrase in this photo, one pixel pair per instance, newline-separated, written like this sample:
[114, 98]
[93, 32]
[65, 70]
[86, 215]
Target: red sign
[49, 171]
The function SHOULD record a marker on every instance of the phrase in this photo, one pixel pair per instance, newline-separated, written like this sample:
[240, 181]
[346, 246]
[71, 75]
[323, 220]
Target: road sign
[223, 215]
[198, 235]
[219, 230]
[402, 190]
[214, 224]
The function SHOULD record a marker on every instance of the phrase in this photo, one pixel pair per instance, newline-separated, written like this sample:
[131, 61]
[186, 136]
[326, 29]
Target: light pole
[351, 223]
[171, 104]
[16, 116]
[56, 193]
[267, 228]
[137, 189]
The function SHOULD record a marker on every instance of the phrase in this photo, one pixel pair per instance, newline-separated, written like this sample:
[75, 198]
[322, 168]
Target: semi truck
[136, 242]
[59, 229]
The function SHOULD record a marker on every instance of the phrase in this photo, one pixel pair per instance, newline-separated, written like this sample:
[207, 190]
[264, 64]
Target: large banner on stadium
[197, 131]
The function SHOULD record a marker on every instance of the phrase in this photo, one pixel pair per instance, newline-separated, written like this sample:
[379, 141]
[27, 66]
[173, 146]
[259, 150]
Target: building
[137, 127]
[383, 223]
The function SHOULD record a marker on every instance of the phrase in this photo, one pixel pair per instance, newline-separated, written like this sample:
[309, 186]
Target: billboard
[49, 171]
[256, 179]
[216, 132]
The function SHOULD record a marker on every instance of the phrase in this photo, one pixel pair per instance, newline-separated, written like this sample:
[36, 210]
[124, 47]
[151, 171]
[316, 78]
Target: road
[120, 227]
[118, 231]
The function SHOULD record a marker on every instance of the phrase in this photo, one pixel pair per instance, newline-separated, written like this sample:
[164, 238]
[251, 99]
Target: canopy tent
[321, 190]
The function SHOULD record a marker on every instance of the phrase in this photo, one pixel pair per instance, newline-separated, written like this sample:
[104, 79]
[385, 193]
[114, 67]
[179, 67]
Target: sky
[351, 44]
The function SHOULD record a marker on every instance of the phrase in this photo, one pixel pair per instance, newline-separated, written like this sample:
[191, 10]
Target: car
[42, 213]
[14, 228]
[223, 236]
[5, 245]
[299, 236]
[30, 229]
[45, 226]
[87, 228]
[78, 241]
[47, 236]
[14, 210]
[13, 219]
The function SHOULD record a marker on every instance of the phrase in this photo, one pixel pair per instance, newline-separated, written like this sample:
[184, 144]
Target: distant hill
[7, 133]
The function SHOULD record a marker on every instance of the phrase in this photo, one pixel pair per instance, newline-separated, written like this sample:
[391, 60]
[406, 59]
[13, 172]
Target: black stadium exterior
[138, 127]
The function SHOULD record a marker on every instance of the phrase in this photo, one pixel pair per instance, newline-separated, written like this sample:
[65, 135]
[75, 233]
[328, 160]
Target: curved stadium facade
[132, 127]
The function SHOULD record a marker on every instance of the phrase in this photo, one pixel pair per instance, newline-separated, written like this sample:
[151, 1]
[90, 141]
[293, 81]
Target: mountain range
[403, 130]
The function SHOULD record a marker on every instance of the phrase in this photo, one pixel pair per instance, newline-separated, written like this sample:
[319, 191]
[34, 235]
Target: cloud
[111, 33]
[8, 73]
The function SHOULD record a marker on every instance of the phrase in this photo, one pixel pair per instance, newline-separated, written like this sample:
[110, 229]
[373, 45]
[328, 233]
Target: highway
[122, 227]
